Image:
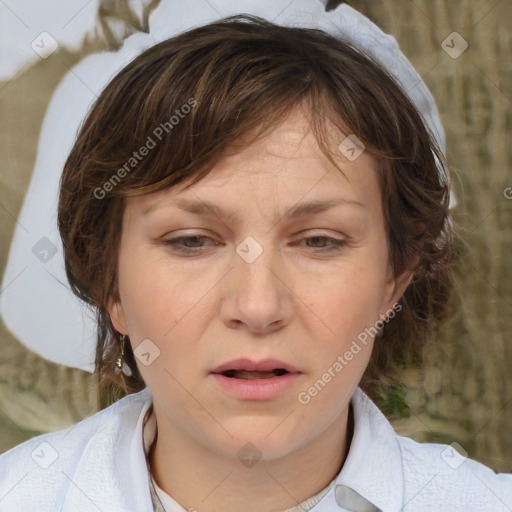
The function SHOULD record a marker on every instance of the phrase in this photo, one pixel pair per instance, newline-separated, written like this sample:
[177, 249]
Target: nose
[258, 296]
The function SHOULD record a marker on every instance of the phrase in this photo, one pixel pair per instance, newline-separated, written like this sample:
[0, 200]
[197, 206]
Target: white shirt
[100, 464]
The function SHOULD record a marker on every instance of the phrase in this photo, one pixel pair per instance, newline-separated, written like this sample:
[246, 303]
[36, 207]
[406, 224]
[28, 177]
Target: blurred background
[463, 393]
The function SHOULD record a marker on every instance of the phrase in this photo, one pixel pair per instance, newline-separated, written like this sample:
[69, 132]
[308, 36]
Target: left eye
[193, 244]
[335, 243]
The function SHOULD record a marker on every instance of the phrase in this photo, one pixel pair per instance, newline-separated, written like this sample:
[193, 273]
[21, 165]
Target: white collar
[373, 469]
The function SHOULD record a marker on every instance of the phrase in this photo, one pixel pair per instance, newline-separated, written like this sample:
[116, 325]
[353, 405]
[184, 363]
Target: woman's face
[223, 272]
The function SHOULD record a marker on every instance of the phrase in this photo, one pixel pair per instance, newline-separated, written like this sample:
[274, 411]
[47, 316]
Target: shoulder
[439, 471]
[74, 438]
[42, 470]
[396, 473]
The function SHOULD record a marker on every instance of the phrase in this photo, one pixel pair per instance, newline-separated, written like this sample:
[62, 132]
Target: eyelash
[337, 244]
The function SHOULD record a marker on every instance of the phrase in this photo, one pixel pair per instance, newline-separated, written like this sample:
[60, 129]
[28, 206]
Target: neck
[200, 478]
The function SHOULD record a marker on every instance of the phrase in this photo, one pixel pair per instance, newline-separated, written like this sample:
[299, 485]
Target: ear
[115, 309]
[396, 284]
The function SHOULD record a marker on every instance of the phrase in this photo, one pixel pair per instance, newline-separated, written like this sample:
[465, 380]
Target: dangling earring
[120, 363]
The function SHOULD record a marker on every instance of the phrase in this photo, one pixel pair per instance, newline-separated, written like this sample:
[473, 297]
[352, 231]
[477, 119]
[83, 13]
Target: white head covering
[36, 302]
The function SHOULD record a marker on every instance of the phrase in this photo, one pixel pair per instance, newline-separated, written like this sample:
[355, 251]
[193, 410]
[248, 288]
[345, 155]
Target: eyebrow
[208, 208]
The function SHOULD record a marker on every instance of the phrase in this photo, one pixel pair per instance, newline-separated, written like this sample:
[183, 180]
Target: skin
[298, 302]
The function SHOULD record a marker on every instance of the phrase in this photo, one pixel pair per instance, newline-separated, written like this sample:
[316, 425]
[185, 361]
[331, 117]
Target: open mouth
[246, 379]
[249, 375]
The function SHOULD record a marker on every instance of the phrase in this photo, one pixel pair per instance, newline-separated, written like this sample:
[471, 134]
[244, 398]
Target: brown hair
[241, 76]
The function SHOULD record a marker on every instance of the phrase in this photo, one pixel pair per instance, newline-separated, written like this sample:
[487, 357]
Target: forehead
[285, 164]
[291, 138]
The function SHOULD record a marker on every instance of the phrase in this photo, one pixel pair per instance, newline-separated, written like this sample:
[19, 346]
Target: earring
[120, 363]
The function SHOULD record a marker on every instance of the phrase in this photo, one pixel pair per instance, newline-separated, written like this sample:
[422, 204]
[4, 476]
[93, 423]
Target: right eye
[186, 244]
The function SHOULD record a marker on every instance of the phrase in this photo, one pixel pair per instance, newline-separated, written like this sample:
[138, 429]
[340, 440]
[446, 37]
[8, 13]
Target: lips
[248, 370]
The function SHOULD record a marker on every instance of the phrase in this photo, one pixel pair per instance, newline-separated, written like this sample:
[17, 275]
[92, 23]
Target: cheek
[348, 300]
[168, 306]
[153, 294]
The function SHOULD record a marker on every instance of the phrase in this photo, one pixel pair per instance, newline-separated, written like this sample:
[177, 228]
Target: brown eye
[186, 244]
[334, 243]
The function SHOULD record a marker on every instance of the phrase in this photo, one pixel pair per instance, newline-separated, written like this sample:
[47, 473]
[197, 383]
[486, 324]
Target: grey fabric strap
[155, 500]
[351, 500]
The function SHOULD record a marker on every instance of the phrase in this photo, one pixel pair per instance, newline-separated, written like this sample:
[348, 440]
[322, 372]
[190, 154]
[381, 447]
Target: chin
[261, 443]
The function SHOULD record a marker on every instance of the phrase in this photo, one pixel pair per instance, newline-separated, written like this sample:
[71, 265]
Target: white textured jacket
[99, 464]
